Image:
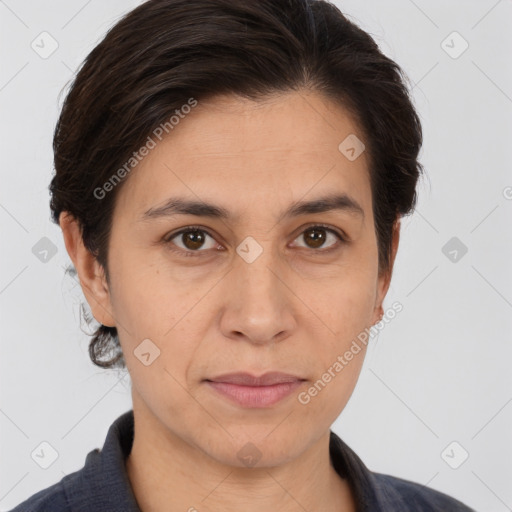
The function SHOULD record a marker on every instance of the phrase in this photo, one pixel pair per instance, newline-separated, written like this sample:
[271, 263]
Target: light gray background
[438, 373]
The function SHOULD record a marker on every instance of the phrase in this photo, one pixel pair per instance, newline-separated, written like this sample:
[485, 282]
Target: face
[262, 289]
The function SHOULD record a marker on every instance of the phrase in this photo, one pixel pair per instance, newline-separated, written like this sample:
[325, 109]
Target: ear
[90, 272]
[384, 279]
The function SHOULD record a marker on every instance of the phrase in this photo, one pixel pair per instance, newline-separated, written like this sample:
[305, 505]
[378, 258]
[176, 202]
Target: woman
[230, 179]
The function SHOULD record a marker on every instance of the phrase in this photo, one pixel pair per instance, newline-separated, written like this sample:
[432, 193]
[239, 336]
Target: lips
[248, 390]
[246, 379]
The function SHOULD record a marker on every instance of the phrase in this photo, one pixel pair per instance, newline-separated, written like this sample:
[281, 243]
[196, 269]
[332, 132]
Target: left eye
[317, 236]
[193, 239]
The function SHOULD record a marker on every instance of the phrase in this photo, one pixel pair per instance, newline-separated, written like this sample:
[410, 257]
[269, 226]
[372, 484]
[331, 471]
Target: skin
[293, 309]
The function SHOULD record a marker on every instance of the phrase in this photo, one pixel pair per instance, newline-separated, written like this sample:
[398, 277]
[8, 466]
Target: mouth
[247, 390]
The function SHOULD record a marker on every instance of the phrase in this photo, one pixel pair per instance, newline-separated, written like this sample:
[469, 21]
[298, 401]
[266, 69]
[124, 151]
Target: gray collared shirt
[102, 485]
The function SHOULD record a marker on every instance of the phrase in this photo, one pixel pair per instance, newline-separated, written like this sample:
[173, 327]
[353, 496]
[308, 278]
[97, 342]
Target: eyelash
[168, 240]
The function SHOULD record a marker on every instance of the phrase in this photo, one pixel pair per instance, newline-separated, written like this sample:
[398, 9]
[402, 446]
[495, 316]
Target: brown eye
[192, 240]
[316, 237]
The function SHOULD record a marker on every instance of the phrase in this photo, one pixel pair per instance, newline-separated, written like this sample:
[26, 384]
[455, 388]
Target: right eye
[193, 238]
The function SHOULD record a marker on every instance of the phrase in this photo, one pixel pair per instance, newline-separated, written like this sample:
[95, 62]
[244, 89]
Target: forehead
[242, 152]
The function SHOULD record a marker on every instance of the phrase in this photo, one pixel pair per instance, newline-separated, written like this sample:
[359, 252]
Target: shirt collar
[360, 479]
[104, 484]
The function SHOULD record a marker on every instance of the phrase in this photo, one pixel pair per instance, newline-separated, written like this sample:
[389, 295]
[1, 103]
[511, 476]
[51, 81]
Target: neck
[167, 473]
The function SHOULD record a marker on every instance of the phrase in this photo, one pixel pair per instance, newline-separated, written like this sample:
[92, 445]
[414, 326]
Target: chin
[256, 446]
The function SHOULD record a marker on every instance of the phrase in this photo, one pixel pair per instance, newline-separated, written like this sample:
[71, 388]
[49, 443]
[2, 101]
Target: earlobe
[90, 272]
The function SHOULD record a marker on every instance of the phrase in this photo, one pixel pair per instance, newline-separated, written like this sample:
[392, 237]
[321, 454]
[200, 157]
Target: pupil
[195, 237]
[318, 238]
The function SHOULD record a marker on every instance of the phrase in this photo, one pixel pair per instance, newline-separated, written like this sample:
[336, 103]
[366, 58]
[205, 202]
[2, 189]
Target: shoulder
[101, 484]
[386, 493]
[67, 495]
[52, 498]
[407, 495]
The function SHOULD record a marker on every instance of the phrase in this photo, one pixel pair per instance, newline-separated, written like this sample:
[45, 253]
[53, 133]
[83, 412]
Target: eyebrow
[182, 206]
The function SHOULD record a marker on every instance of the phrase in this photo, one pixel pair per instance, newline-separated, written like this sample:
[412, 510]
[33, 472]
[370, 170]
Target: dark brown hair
[165, 52]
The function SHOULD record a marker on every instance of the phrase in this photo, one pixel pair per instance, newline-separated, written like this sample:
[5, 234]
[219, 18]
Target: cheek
[149, 303]
[344, 303]
[342, 293]
[327, 396]
[149, 296]
[339, 356]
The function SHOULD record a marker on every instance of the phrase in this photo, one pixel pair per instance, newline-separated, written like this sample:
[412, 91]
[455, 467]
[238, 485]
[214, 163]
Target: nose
[258, 301]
